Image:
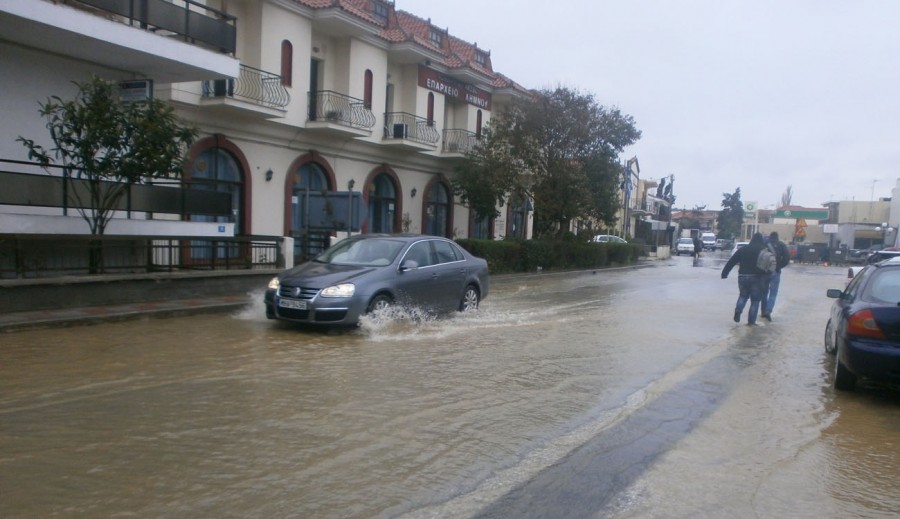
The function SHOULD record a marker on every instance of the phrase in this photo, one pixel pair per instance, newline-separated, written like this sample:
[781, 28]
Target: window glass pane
[446, 253]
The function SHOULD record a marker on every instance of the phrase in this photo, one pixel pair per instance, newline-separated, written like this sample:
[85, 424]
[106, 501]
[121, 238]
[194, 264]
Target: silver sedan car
[367, 272]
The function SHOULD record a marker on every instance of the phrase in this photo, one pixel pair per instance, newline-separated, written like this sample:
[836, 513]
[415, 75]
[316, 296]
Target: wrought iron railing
[401, 125]
[192, 21]
[254, 85]
[458, 141]
[332, 107]
[43, 256]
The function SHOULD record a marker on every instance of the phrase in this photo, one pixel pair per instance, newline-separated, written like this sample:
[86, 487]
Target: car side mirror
[834, 293]
[409, 264]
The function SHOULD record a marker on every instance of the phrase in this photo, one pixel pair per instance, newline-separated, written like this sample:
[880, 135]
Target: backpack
[766, 261]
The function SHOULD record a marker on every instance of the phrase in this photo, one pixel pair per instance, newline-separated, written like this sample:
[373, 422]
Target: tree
[109, 144]
[731, 218]
[559, 148]
[787, 196]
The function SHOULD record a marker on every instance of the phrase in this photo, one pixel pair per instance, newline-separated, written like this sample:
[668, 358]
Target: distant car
[685, 245]
[738, 245]
[874, 257]
[863, 330]
[723, 244]
[709, 241]
[607, 238]
[368, 272]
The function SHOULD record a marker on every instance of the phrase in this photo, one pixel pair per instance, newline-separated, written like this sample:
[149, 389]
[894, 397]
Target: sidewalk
[15, 321]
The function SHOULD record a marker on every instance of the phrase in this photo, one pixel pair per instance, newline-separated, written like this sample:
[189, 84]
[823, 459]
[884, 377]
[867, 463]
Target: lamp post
[885, 229]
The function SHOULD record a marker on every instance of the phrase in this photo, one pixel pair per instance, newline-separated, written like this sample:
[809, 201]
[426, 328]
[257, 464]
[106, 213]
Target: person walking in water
[750, 278]
[783, 259]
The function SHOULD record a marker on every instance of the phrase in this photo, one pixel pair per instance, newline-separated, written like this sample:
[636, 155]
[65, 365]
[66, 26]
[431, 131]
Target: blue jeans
[774, 281]
[751, 287]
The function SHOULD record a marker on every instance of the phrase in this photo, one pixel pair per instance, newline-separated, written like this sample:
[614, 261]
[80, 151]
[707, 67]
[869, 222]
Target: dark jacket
[746, 258]
[782, 254]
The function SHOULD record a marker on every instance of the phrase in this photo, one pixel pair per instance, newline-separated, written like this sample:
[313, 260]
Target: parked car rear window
[884, 286]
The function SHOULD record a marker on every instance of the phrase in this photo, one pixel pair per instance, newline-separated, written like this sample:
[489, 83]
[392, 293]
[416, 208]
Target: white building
[295, 100]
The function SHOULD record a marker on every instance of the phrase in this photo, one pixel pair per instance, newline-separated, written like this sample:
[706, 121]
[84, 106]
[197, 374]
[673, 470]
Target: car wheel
[844, 380]
[379, 302]
[830, 347]
[470, 299]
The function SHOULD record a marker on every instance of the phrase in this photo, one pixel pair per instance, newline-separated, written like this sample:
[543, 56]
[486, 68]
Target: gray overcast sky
[756, 94]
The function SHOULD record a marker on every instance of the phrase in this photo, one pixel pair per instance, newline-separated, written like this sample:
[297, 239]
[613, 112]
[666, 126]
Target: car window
[369, 252]
[853, 287]
[884, 286]
[420, 252]
[445, 252]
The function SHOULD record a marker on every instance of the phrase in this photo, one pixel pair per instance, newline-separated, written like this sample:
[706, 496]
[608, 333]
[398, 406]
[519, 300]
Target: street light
[884, 229]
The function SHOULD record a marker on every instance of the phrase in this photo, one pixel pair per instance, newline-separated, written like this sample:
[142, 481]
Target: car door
[417, 286]
[451, 274]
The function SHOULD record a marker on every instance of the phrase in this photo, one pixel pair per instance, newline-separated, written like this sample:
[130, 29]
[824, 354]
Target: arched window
[478, 125]
[287, 63]
[215, 169]
[481, 227]
[367, 90]
[430, 109]
[437, 210]
[382, 204]
[518, 212]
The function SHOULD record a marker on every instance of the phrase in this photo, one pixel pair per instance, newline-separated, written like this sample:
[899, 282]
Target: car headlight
[342, 290]
[275, 283]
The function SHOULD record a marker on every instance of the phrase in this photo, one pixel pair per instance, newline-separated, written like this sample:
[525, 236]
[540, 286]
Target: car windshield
[686, 240]
[369, 252]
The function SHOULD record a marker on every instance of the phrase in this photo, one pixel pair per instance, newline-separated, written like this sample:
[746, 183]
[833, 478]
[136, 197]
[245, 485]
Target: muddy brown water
[626, 393]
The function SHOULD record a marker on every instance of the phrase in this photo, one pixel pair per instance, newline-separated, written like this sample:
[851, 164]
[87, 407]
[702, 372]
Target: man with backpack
[782, 259]
[752, 280]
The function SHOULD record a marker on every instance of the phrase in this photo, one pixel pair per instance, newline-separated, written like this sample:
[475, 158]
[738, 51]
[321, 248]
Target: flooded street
[624, 393]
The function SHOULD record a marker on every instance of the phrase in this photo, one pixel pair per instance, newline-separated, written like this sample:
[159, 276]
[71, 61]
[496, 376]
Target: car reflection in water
[369, 272]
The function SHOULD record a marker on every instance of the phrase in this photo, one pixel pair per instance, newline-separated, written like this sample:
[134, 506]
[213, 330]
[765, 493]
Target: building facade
[308, 110]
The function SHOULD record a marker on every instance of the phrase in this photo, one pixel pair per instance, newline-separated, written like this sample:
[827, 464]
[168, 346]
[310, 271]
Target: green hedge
[507, 256]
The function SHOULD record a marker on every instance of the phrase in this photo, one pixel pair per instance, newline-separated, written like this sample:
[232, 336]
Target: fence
[51, 256]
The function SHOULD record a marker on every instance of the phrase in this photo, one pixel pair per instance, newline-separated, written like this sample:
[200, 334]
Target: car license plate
[292, 304]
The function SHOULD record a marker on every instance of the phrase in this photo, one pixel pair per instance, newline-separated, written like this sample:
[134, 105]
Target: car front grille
[297, 292]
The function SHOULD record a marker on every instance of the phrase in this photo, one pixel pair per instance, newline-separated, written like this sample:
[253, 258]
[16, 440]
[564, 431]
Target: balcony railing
[254, 85]
[192, 21]
[459, 141]
[404, 126]
[332, 107]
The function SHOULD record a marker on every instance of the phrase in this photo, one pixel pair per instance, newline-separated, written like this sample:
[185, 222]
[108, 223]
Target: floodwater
[625, 393]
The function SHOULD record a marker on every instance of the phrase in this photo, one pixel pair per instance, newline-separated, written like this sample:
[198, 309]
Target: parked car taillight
[862, 324]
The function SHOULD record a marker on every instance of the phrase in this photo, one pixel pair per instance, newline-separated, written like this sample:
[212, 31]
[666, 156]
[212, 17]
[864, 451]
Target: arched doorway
[308, 177]
[383, 204]
[438, 210]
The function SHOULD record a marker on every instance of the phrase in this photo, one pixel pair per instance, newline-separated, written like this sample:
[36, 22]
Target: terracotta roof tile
[403, 26]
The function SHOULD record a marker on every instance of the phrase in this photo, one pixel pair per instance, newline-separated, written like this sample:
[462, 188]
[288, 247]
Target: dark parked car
[864, 329]
[367, 272]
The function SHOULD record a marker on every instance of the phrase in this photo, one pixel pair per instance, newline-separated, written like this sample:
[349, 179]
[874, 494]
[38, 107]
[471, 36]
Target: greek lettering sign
[437, 82]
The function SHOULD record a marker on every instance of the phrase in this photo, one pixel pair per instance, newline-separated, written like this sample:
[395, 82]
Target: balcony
[458, 142]
[410, 132]
[255, 91]
[167, 41]
[339, 113]
[187, 20]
